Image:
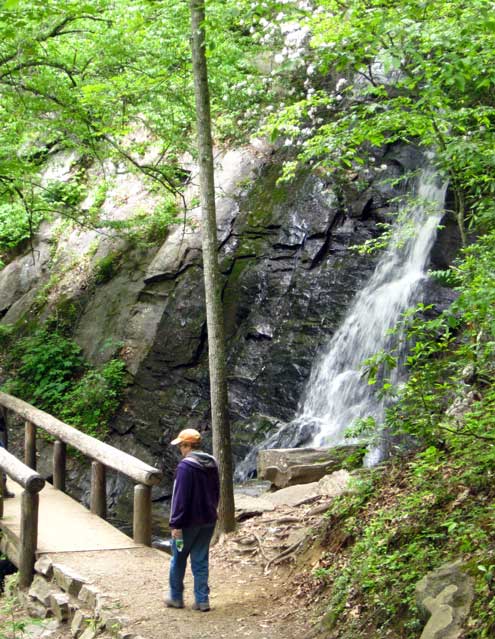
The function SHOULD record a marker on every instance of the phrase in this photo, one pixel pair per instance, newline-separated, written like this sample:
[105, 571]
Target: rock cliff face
[288, 277]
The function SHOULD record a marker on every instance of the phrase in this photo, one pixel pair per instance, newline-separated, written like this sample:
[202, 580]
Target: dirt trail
[246, 599]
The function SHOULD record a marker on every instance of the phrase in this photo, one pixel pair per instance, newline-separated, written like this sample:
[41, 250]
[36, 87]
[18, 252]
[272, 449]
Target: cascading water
[337, 394]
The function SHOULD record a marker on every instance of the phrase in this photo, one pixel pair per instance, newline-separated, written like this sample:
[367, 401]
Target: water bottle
[179, 544]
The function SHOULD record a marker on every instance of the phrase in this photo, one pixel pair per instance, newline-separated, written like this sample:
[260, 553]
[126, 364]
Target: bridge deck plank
[64, 524]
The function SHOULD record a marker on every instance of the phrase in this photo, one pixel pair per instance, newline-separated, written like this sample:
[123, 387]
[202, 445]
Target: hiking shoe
[173, 603]
[204, 606]
[7, 494]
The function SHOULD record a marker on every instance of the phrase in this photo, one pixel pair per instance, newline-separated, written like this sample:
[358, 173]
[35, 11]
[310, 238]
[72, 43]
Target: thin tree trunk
[214, 312]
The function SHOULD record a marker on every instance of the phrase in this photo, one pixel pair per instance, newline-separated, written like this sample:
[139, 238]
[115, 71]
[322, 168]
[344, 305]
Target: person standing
[193, 516]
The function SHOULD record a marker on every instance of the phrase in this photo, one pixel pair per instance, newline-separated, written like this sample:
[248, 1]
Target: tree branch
[39, 63]
[468, 433]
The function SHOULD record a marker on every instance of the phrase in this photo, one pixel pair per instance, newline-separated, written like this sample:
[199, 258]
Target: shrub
[49, 371]
[48, 363]
[66, 193]
[94, 398]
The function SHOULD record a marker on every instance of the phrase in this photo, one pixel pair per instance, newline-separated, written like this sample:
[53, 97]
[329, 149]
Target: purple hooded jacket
[196, 491]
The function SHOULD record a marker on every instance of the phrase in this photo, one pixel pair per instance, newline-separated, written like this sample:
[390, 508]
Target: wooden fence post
[142, 515]
[98, 489]
[59, 461]
[29, 537]
[30, 445]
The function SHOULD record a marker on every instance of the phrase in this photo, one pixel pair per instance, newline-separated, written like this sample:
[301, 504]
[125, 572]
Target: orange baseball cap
[189, 436]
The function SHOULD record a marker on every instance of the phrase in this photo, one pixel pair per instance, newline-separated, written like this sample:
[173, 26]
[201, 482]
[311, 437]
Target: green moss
[264, 196]
[106, 268]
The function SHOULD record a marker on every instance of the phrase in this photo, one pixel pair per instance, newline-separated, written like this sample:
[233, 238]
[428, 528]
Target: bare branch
[39, 63]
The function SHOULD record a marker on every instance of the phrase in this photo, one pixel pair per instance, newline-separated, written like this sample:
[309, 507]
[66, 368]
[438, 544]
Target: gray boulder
[290, 466]
[444, 597]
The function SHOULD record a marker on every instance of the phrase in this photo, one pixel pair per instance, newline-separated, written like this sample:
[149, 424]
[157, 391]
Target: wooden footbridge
[109, 583]
[42, 518]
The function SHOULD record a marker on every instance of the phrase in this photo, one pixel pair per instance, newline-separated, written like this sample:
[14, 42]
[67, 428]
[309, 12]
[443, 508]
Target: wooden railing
[32, 484]
[103, 455]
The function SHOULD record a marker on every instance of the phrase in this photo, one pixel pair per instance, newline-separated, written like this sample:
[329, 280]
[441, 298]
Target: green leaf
[11, 4]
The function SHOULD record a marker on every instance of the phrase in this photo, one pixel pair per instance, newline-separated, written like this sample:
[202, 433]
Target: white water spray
[337, 394]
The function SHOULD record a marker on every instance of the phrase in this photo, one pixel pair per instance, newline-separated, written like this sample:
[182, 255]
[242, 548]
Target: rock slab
[285, 467]
[444, 598]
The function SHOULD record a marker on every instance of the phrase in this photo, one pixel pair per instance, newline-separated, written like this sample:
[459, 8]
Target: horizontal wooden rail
[90, 446]
[23, 475]
[103, 456]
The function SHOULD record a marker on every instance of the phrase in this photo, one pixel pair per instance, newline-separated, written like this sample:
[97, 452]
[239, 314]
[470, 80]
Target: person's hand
[176, 533]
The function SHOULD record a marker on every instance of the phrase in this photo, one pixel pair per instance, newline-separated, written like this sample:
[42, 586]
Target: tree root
[283, 555]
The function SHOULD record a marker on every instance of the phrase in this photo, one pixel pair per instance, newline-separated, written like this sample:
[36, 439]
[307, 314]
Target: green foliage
[6, 331]
[106, 268]
[48, 370]
[445, 278]
[94, 398]
[355, 459]
[152, 228]
[47, 364]
[418, 515]
[69, 193]
[376, 244]
[88, 77]
[13, 619]
[100, 195]
[147, 228]
[16, 226]
[365, 429]
[402, 72]
[65, 315]
[457, 343]
[436, 505]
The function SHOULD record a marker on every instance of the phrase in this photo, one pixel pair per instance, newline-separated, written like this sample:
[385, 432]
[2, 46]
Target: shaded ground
[255, 589]
[245, 601]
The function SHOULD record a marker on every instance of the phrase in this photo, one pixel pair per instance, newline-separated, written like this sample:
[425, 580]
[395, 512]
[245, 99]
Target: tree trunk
[214, 312]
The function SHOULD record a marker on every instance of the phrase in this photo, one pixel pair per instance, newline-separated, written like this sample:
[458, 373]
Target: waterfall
[336, 394]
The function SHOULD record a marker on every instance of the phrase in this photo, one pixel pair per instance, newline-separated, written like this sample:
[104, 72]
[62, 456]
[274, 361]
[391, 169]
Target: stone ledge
[285, 467]
[78, 607]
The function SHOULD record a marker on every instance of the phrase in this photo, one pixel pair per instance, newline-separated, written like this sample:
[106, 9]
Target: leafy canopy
[416, 72]
[90, 77]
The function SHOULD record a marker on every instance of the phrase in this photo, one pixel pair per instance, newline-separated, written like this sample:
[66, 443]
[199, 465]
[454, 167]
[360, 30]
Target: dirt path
[244, 602]
[246, 599]
[256, 591]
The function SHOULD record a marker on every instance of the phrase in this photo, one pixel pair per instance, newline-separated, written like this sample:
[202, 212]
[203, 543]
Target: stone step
[58, 592]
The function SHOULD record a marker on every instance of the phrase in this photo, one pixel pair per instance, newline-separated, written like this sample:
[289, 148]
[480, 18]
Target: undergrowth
[13, 619]
[429, 507]
[47, 368]
[426, 510]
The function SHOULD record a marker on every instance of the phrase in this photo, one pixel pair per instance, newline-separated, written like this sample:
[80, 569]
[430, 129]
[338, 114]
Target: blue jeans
[197, 544]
